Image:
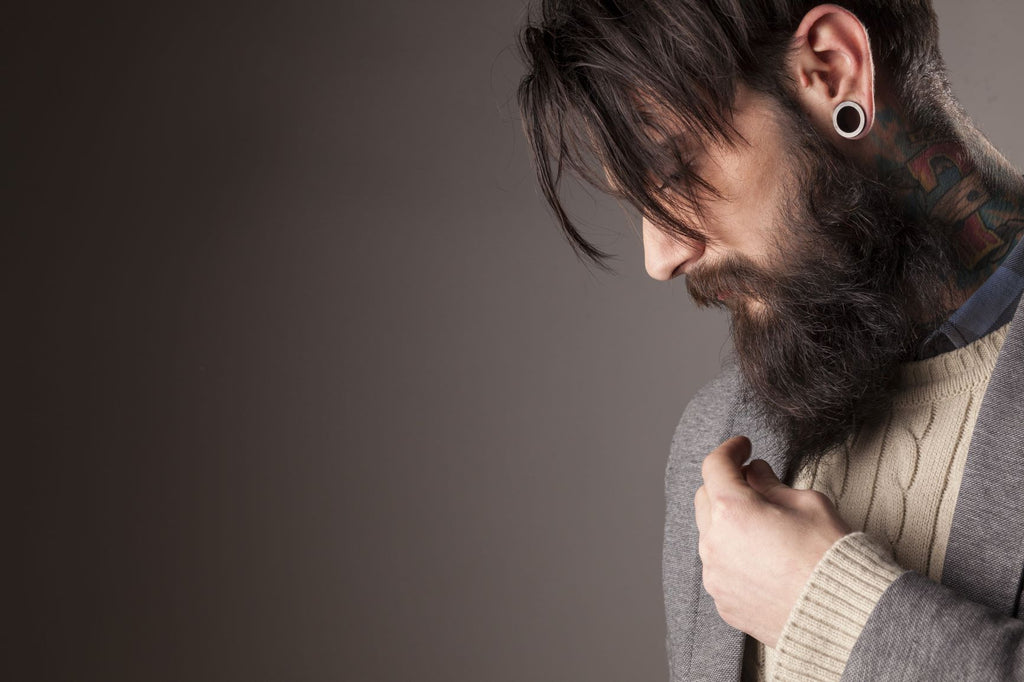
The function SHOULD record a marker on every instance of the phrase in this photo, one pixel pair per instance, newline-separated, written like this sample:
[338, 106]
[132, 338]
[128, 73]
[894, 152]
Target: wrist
[834, 606]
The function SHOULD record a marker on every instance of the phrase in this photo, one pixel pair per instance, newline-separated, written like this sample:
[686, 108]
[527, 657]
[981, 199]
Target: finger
[722, 468]
[701, 509]
[762, 478]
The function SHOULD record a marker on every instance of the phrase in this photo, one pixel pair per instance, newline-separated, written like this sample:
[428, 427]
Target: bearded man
[846, 500]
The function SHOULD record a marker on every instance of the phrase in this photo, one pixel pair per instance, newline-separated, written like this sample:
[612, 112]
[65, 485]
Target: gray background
[307, 386]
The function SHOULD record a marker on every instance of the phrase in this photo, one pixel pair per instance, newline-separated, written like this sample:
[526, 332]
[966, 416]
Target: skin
[946, 180]
[760, 539]
[747, 178]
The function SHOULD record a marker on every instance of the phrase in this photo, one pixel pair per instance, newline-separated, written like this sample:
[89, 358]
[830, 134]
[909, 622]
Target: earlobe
[850, 120]
[834, 71]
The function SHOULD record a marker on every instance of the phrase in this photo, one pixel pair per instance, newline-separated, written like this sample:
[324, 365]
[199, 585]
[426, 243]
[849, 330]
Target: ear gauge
[849, 119]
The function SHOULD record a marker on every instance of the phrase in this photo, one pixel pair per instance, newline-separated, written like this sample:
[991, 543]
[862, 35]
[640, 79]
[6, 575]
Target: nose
[667, 255]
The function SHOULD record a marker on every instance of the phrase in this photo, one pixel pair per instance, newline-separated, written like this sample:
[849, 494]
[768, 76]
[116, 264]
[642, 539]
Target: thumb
[761, 478]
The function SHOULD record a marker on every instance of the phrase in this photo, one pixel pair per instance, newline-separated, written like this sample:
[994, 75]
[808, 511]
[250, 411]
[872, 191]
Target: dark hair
[591, 63]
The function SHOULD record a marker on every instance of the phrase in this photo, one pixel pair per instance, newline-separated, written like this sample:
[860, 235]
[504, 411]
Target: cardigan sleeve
[922, 630]
[861, 617]
[833, 608]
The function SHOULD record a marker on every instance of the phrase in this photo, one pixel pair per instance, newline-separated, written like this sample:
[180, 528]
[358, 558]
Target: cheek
[754, 199]
[770, 196]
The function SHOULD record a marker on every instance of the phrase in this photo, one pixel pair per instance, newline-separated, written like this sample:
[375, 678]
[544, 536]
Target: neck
[958, 182]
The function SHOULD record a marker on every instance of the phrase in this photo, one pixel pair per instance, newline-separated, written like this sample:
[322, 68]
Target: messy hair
[597, 70]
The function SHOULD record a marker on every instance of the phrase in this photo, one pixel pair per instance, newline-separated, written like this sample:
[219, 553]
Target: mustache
[708, 284]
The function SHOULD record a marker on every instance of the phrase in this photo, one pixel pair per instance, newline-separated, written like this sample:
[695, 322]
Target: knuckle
[814, 499]
[710, 582]
[726, 510]
[706, 550]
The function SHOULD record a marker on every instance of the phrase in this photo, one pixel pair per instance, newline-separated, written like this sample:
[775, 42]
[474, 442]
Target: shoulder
[710, 413]
[707, 421]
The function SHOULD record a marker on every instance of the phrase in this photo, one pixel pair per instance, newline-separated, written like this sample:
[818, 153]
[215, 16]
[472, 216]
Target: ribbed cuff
[833, 608]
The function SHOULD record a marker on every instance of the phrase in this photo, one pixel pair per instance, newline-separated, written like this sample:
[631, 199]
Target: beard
[856, 287]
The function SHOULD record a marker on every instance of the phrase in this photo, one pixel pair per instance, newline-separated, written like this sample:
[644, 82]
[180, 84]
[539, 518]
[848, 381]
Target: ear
[831, 63]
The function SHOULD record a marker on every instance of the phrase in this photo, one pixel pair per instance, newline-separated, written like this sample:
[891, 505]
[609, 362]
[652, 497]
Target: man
[807, 167]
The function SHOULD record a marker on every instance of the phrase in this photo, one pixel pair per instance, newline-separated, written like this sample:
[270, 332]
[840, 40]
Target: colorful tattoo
[937, 180]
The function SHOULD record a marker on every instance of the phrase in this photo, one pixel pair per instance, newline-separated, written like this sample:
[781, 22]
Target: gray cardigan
[966, 628]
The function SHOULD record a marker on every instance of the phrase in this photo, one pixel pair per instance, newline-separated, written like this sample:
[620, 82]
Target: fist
[759, 539]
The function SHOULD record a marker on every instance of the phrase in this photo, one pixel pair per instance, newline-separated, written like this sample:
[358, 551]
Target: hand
[759, 539]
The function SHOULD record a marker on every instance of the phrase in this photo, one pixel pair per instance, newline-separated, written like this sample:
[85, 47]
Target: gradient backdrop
[306, 384]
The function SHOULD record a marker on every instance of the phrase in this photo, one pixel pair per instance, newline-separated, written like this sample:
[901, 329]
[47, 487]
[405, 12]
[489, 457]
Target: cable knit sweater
[896, 485]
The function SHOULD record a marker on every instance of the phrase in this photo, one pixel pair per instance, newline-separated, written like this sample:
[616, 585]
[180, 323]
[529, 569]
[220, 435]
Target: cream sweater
[896, 485]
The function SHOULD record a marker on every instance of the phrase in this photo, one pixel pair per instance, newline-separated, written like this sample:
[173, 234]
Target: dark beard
[856, 289]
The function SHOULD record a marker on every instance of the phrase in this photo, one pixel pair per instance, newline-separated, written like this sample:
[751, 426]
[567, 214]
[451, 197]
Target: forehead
[748, 105]
[669, 130]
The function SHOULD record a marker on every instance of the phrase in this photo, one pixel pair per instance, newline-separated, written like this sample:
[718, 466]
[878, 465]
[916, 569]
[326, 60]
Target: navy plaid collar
[988, 309]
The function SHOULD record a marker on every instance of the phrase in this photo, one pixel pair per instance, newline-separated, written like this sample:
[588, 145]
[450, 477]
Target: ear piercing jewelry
[849, 119]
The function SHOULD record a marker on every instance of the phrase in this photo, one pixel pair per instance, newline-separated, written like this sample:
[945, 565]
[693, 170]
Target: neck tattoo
[938, 182]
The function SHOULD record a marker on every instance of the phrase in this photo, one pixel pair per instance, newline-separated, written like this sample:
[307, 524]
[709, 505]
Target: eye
[674, 178]
[670, 182]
